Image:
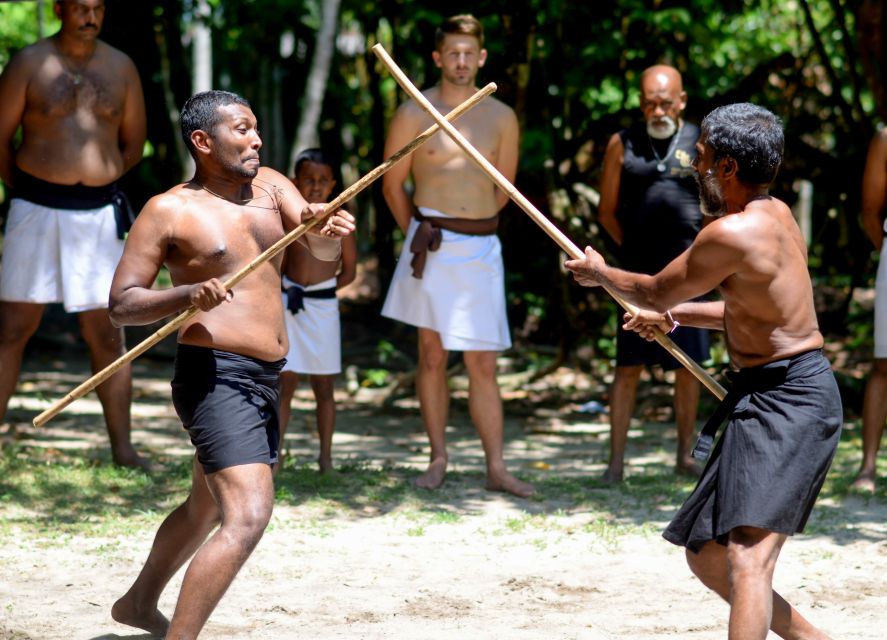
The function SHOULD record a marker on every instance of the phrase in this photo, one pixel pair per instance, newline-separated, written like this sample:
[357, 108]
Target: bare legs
[874, 414]
[323, 387]
[240, 498]
[19, 321]
[484, 405]
[289, 382]
[623, 394]
[434, 404]
[742, 574]
[686, 406]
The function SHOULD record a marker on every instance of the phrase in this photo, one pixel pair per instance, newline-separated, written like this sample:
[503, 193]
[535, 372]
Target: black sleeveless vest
[658, 210]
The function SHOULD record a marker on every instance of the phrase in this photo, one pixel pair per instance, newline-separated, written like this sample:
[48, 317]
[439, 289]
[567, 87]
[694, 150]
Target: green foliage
[19, 24]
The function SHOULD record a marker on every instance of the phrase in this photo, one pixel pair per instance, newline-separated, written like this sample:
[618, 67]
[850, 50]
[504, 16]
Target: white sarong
[314, 333]
[59, 255]
[461, 294]
[881, 303]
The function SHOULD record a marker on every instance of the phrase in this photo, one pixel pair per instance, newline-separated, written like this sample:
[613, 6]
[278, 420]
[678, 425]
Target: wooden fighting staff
[87, 386]
[562, 241]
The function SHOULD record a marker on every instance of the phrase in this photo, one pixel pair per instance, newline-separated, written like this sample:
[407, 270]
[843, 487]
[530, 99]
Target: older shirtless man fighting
[79, 103]
[453, 288]
[229, 358]
[785, 411]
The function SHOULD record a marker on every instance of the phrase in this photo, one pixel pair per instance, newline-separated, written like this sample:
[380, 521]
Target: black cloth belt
[743, 382]
[296, 294]
[74, 196]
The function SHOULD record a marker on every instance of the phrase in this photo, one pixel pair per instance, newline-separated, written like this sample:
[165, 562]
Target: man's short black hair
[201, 113]
[315, 155]
[749, 134]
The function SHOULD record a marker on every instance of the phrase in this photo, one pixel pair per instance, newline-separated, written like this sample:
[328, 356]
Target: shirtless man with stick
[79, 104]
[453, 288]
[229, 357]
[784, 409]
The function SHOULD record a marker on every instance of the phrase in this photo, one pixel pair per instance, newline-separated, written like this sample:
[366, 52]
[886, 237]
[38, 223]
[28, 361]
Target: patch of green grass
[69, 495]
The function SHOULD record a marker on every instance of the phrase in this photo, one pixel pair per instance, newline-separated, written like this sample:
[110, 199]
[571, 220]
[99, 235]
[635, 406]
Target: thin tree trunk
[202, 49]
[306, 133]
[41, 25]
[172, 110]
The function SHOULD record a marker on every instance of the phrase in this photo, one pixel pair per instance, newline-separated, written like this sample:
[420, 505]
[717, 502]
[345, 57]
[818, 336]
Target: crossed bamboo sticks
[441, 122]
[553, 232]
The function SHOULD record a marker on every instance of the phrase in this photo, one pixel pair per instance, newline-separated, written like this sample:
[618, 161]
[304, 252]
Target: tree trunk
[186, 162]
[306, 133]
[202, 49]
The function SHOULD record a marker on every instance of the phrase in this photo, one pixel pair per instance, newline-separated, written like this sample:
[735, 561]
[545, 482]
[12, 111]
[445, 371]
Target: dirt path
[467, 565]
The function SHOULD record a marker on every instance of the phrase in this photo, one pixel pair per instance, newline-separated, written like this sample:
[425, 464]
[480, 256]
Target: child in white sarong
[311, 311]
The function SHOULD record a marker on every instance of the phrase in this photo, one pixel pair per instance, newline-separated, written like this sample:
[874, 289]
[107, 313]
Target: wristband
[674, 323]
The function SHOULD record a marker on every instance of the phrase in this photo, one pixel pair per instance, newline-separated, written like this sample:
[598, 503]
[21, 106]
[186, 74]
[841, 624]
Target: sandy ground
[478, 575]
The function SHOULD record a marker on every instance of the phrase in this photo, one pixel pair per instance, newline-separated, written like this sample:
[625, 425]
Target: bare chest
[222, 239]
[82, 94]
[441, 152]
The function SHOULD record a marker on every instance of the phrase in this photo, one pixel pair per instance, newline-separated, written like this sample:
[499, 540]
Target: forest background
[570, 70]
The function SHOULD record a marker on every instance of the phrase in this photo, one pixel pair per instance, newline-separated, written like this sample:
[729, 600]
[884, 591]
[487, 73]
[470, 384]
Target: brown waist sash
[428, 236]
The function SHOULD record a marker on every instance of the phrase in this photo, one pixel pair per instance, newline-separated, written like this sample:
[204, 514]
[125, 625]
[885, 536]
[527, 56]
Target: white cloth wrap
[881, 305]
[461, 294]
[314, 333]
[59, 255]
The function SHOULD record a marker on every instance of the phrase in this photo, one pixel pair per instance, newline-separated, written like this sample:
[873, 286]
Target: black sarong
[767, 468]
[229, 405]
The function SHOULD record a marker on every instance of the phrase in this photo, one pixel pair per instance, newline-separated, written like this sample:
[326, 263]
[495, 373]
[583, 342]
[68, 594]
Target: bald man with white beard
[650, 208]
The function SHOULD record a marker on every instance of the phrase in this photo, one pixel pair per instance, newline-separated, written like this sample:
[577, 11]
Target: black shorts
[633, 350]
[767, 468]
[229, 405]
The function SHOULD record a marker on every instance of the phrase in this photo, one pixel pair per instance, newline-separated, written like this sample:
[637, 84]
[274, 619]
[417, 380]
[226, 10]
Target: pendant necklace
[75, 76]
[660, 162]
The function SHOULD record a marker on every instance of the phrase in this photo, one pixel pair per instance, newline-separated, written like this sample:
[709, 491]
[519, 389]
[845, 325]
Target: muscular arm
[349, 262]
[13, 86]
[132, 126]
[401, 131]
[705, 315]
[132, 300]
[713, 256]
[295, 209]
[609, 189]
[507, 154]
[874, 190]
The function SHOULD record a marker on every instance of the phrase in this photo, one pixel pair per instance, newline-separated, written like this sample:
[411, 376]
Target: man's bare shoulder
[748, 226]
[29, 58]
[272, 176]
[499, 109]
[171, 203]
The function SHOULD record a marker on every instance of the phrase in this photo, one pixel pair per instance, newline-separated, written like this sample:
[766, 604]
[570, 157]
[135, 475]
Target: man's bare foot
[129, 458]
[865, 482]
[433, 476]
[509, 484]
[612, 476]
[688, 467]
[125, 612]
